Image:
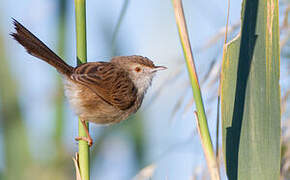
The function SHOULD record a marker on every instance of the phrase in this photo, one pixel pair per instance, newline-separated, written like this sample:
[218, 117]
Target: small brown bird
[99, 92]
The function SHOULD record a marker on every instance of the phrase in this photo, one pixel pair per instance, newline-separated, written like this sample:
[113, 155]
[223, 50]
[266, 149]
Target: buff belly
[90, 107]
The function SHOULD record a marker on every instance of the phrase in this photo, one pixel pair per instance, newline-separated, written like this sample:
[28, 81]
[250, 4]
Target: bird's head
[141, 70]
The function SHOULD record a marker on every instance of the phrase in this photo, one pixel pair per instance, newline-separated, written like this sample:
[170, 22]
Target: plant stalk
[80, 15]
[201, 117]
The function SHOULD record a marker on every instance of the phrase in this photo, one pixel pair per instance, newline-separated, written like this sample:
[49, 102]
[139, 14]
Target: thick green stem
[84, 153]
[201, 117]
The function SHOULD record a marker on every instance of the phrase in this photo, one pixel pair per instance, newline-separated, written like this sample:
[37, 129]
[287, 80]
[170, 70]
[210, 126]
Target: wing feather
[108, 81]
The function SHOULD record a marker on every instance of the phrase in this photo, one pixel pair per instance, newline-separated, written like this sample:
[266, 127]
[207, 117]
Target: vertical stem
[200, 115]
[59, 97]
[80, 14]
[217, 129]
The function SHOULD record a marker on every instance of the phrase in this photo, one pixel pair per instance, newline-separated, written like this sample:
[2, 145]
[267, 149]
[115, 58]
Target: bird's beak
[158, 68]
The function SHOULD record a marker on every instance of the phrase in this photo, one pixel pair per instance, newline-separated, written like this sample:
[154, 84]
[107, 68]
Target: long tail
[38, 49]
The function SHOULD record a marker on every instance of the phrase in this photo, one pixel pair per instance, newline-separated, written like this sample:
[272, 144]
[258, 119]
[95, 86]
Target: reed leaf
[250, 95]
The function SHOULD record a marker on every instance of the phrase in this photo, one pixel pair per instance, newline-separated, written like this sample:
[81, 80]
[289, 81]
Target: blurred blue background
[37, 126]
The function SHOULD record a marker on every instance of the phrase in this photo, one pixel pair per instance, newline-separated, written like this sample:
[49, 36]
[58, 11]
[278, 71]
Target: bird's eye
[137, 69]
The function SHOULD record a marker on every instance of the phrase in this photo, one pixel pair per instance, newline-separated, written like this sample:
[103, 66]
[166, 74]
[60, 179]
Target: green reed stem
[200, 112]
[80, 15]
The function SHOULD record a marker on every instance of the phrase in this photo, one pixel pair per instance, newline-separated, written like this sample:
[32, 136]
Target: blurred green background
[37, 127]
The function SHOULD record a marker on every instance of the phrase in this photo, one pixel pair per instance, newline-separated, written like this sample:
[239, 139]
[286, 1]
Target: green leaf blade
[250, 95]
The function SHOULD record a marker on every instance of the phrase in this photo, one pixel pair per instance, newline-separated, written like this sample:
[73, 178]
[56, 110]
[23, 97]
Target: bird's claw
[89, 140]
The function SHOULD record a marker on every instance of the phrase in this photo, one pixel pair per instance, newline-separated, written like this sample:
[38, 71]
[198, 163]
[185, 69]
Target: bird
[98, 92]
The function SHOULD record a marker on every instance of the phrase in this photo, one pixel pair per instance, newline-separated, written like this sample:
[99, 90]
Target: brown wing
[108, 81]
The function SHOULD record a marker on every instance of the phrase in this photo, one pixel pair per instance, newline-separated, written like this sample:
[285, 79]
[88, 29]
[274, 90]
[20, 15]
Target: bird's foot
[88, 139]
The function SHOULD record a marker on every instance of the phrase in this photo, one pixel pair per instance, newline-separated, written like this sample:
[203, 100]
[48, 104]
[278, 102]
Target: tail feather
[38, 49]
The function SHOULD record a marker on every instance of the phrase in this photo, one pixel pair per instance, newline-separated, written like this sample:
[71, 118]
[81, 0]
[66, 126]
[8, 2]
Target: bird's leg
[88, 138]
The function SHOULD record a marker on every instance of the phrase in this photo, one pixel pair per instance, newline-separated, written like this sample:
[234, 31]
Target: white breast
[142, 84]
